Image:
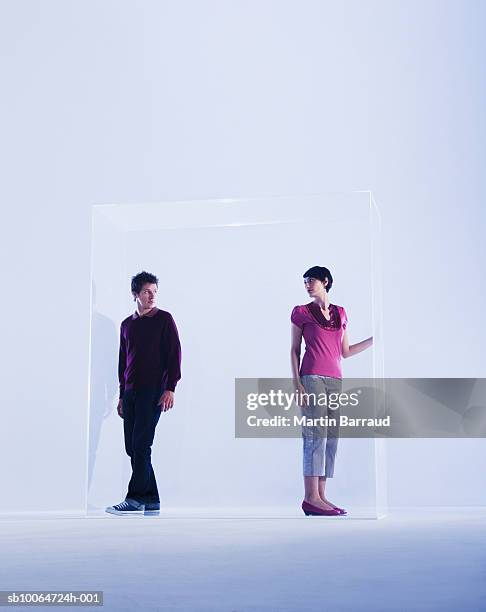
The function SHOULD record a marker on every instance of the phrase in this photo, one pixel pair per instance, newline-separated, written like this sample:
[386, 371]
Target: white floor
[430, 559]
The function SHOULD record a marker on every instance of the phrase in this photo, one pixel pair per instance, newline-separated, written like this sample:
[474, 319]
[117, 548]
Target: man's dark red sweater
[150, 351]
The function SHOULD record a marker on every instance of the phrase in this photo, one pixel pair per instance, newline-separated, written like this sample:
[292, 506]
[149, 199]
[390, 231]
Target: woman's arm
[354, 349]
[295, 352]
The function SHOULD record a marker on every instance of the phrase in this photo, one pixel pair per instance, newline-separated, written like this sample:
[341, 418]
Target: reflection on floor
[421, 559]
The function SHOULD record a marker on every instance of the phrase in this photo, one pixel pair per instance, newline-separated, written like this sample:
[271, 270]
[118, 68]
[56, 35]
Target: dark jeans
[140, 417]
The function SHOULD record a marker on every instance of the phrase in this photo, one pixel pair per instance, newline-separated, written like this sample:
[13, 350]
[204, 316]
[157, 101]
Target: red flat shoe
[340, 510]
[310, 510]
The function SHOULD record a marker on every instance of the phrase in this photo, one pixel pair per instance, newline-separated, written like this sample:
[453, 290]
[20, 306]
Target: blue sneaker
[126, 507]
[152, 508]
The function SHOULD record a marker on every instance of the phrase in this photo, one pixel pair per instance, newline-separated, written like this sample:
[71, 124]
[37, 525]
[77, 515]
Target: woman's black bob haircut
[320, 273]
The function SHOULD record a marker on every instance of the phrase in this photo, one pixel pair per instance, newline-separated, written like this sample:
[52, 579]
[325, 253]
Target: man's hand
[166, 401]
[119, 408]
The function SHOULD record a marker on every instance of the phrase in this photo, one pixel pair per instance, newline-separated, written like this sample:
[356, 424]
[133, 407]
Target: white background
[147, 101]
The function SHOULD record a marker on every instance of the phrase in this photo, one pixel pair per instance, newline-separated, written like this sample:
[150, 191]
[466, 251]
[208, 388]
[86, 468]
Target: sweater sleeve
[122, 362]
[172, 349]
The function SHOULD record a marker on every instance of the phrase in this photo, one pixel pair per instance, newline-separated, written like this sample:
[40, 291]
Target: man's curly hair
[139, 280]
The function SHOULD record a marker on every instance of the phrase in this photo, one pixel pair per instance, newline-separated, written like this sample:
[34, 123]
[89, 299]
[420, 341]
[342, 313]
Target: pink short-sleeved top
[323, 338]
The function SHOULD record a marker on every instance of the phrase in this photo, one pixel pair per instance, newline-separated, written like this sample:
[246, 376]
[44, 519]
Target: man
[148, 370]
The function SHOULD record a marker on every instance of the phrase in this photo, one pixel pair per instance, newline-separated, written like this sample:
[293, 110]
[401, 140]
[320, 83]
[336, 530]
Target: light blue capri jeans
[320, 440]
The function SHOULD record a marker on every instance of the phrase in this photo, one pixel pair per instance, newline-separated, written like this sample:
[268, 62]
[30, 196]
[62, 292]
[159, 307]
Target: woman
[324, 328]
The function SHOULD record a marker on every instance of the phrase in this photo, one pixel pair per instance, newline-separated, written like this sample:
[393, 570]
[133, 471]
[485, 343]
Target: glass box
[230, 272]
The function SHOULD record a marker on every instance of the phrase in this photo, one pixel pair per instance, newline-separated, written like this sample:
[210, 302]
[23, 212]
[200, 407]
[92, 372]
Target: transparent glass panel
[230, 272]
